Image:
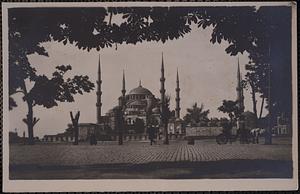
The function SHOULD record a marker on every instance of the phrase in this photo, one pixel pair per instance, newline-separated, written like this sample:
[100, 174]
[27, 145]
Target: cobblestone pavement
[142, 152]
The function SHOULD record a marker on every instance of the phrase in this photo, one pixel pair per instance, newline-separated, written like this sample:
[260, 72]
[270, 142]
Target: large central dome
[140, 91]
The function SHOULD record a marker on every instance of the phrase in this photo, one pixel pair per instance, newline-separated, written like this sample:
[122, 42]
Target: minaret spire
[123, 85]
[140, 83]
[162, 83]
[239, 89]
[177, 109]
[99, 93]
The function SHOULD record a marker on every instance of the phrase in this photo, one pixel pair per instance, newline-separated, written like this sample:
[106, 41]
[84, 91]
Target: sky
[207, 75]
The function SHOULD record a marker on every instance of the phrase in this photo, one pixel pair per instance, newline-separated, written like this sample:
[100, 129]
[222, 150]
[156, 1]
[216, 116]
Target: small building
[60, 137]
[175, 126]
[14, 138]
[282, 126]
[85, 131]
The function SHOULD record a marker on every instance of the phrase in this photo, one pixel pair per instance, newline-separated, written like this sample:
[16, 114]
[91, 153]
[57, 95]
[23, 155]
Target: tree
[153, 121]
[196, 115]
[230, 107]
[165, 115]
[257, 81]
[256, 31]
[139, 125]
[119, 122]
[223, 120]
[214, 122]
[75, 125]
[48, 92]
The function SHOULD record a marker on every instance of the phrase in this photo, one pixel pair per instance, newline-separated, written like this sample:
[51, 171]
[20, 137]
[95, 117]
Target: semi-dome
[248, 114]
[156, 110]
[136, 103]
[140, 91]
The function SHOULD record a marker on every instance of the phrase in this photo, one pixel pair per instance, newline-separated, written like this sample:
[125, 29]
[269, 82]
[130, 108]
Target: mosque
[139, 105]
[140, 108]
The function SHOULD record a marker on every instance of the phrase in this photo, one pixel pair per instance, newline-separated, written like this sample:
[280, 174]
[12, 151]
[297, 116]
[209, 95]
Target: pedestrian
[151, 132]
[93, 140]
[254, 134]
[257, 136]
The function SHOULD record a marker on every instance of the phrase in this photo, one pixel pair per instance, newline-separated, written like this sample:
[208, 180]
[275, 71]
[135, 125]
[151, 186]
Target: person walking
[151, 132]
[93, 140]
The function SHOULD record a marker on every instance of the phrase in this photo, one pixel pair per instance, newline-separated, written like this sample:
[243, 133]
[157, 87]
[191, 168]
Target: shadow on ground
[222, 169]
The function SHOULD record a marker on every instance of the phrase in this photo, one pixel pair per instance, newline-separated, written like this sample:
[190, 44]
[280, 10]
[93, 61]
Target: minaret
[123, 86]
[99, 93]
[239, 90]
[162, 83]
[177, 109]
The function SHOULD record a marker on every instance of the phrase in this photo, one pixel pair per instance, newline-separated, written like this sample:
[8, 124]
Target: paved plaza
[205, 159]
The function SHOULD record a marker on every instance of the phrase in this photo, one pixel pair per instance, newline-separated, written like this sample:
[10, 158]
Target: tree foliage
[196, 116]
[263, 32]
[256, 81]
[167, 113]
[231, 108]
[48, 91]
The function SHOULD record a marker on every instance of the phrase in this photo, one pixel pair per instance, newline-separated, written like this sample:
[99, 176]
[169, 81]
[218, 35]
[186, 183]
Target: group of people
[245, 135]
[256, 133]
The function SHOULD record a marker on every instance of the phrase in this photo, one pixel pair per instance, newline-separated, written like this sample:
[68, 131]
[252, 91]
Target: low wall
[58, 139]
[137, 137]
[206, 131]
[127, 137]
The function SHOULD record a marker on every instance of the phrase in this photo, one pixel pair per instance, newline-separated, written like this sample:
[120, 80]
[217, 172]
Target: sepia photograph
[149, 96]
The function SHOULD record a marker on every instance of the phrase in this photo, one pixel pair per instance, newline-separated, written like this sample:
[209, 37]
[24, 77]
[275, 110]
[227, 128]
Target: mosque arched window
[129, 121]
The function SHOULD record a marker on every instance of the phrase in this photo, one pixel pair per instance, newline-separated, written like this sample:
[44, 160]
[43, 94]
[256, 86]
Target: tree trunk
[165, 124]
[261, 107]
[166, 142]
[120, 125]
[29, 122]
[253, 98]
[76, 133]
[231, 118]
[75, 126]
